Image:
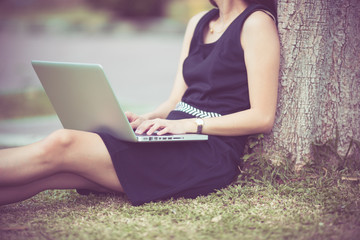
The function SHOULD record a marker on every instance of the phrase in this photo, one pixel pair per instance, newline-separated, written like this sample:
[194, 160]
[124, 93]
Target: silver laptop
[83, 100]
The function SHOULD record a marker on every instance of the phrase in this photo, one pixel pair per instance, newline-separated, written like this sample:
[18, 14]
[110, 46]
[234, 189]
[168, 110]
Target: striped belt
[186, 108]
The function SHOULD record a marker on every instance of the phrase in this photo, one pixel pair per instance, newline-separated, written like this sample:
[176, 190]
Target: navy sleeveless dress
[217, 85]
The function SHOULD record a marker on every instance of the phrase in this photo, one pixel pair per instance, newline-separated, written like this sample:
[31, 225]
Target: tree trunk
[319, 78]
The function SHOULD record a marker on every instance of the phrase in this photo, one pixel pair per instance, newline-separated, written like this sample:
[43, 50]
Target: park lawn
[302, 206]
[266, 202]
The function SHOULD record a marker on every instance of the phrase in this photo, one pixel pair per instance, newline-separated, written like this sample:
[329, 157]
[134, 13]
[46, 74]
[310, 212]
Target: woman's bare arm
[260, 42]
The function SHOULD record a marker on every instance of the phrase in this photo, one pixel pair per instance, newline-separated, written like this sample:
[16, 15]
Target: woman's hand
[164, 126]
[134, 119]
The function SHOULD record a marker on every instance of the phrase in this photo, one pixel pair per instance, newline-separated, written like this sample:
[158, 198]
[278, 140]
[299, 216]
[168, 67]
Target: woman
[228, 75]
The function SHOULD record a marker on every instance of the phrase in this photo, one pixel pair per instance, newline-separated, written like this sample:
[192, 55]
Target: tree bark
[319, 78]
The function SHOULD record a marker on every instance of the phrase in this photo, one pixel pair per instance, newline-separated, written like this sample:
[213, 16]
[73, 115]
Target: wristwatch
[200, 124]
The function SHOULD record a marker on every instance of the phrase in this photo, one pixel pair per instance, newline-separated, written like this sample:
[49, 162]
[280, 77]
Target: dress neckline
[215, 12]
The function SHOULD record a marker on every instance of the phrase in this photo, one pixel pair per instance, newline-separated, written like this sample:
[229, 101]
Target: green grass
[305, 207]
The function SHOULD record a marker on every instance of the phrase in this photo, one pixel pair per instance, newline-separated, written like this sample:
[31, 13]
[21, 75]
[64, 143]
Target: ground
[309, 208]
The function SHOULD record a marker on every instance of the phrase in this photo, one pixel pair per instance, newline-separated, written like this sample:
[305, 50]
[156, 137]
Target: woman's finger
[144, 126]
[163, 131]
[136, 123]
[157, 125]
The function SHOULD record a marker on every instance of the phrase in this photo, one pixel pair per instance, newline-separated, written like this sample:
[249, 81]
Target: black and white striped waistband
[186, 108]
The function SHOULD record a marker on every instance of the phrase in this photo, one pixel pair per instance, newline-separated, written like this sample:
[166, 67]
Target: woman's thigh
[83, 154]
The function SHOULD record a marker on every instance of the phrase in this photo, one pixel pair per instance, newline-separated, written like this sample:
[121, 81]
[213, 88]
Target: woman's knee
[55, 147]
[62, 138]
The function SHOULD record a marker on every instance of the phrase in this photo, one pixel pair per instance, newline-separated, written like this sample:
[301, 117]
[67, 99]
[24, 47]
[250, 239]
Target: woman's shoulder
[259, 19]
[259, 23]
[259, 29]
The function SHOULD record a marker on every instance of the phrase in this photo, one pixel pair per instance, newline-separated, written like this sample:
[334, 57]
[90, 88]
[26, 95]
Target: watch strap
[200, 124]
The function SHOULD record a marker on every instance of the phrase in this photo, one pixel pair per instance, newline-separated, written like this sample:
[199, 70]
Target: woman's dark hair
[271, 4]
[213, 3]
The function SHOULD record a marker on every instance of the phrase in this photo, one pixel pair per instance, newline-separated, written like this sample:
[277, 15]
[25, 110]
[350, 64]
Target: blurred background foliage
[98, 15]
[134, 9]
[28, 28]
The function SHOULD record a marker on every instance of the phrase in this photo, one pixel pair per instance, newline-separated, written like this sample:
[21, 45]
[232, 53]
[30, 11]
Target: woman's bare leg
[59, 181]
[65, 151]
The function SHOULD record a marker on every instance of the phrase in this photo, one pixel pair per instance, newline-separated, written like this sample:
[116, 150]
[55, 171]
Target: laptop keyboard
[155, 137]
